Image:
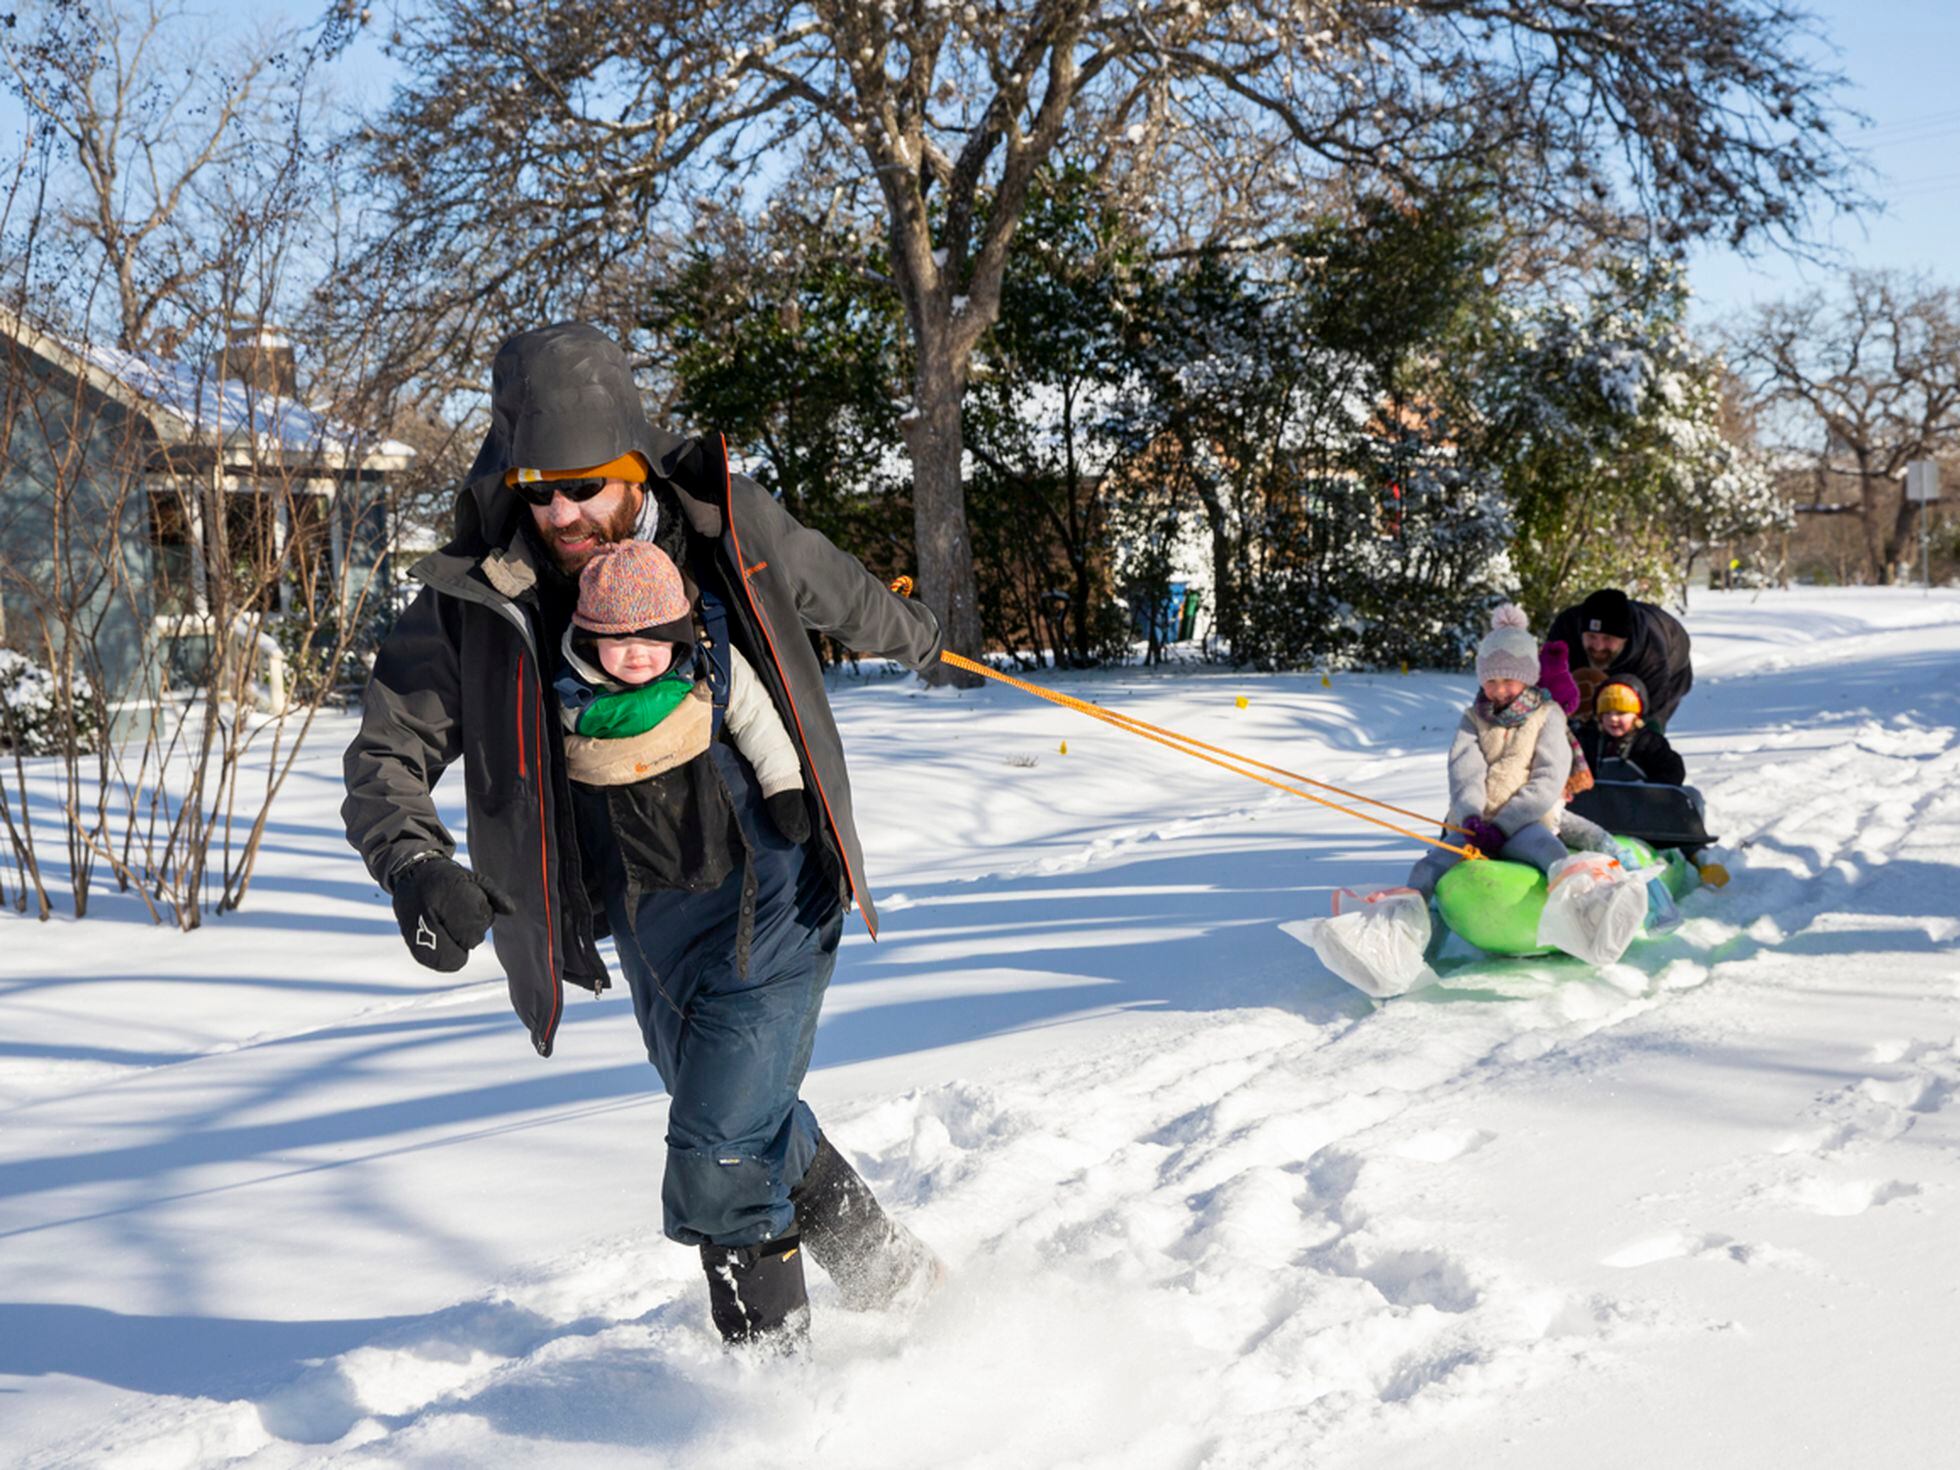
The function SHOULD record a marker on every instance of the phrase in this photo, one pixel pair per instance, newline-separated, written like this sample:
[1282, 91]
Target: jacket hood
[562, 397]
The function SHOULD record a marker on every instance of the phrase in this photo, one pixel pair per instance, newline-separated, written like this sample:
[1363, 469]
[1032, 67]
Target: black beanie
[1607, 611]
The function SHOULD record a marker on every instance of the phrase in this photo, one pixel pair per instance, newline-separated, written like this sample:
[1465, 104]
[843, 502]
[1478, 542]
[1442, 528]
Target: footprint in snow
[1878, 1109]
[1846, 1197]
[1440, 1145]
[1677, 1245]
[1421, 1278]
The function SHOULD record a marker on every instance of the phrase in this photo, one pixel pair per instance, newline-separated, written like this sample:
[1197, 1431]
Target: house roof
[188, 404]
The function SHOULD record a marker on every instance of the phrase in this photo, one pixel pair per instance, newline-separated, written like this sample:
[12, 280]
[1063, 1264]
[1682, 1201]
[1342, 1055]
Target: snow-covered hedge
[31, 715]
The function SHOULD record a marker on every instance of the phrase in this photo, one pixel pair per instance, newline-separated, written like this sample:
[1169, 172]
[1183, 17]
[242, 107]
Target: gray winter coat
[1511, 777]
[461, 673]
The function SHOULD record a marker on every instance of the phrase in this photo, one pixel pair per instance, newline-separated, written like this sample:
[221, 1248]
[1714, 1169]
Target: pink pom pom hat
[1508, 650]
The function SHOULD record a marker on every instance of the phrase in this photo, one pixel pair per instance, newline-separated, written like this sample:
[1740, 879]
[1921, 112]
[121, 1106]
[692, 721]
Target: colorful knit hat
[634, 589]
[1621, 695]
[1508, 650]
[630, 467]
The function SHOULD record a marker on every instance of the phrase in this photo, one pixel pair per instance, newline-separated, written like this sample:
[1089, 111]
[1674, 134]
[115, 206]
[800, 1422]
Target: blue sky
[1899, 57]
[1897, 54]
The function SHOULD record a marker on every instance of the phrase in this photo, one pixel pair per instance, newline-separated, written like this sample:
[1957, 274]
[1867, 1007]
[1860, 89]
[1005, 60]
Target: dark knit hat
[634, 590]
[1607, 611]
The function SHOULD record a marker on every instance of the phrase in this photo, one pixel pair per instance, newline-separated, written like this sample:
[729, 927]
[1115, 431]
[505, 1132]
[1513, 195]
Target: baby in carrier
[643, 695]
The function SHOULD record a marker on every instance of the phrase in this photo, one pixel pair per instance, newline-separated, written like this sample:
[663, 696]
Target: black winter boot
[875, 1261]
[756, 1293]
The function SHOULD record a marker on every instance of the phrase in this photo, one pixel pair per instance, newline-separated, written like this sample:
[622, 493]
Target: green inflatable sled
[1495, 905]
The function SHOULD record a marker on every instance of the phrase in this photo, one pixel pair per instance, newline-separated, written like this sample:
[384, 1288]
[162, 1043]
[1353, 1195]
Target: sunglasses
[540, 492]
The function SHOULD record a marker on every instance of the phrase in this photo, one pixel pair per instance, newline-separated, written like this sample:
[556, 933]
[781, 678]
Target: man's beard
[1600, 658]
[620, 528]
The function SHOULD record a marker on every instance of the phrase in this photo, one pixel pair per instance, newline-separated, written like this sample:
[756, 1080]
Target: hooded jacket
[1658, 654]
[467, 671]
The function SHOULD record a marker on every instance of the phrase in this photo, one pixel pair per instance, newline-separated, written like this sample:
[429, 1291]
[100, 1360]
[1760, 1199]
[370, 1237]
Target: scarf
[1581, 778]
[637, 710]
[1523, 708]
[1517, 711]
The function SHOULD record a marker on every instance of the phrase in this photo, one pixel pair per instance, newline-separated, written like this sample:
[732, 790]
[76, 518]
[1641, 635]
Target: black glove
[791, 816]
[444, 910]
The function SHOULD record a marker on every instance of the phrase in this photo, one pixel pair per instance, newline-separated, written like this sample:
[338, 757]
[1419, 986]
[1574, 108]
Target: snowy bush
[1393, 562]
[1606, 422]
[33, 720]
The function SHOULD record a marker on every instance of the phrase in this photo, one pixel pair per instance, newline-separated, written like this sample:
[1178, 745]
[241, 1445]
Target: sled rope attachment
[1241, 765]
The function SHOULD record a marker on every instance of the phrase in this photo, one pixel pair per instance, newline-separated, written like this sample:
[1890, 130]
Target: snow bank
[272, 1196]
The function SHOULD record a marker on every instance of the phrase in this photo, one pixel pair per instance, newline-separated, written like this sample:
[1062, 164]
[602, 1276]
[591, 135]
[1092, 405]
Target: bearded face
[1602, 648]
[575, 531]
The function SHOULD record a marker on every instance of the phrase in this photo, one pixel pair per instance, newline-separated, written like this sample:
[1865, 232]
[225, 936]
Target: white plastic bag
[1375, 941]
[1594, 908]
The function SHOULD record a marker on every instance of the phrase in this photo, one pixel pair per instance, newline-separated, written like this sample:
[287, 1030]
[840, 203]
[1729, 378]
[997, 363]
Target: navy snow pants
[733, 1048]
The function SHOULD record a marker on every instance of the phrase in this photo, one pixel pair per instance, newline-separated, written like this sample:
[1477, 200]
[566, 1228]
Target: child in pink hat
[638, 701]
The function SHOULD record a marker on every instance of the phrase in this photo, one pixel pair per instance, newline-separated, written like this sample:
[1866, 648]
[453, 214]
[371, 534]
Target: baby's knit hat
[634, 588]
[1508, 650]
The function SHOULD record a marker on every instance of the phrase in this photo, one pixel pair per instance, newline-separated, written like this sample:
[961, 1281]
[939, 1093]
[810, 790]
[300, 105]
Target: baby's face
[1617, 723]
[635, 660]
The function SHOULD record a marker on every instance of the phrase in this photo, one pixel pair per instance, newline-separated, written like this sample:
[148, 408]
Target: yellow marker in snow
[1242, 701]
[1064, 749]
[1405, 666]
[1325, 682]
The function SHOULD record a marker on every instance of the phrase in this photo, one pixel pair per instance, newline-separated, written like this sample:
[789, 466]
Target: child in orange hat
[1618, 731]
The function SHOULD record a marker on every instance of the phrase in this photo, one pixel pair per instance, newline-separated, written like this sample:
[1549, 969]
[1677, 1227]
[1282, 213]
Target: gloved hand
[1484, 835]
[790, 814]
[444, 910]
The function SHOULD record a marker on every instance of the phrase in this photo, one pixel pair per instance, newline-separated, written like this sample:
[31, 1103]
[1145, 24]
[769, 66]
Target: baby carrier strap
[716, 665]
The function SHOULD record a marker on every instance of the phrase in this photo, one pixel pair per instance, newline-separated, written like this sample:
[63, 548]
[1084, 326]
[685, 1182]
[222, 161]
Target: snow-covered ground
[271, 1195]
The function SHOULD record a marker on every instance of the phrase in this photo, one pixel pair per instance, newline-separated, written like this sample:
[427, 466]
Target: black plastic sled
[1660, 816]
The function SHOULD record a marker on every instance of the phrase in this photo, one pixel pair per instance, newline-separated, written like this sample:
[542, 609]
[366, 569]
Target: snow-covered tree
[1308, 404]
[1605, 420]
[536, 142]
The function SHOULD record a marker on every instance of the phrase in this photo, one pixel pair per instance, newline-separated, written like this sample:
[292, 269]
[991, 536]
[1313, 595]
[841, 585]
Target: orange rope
[1171, 740]
[1192, 740]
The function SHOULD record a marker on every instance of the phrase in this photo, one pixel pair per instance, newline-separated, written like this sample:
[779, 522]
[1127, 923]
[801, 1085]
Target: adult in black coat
[1610, 634]
[727, 982]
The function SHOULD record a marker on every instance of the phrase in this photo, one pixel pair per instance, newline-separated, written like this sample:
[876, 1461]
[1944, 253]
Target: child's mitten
[1484, 835]
[1555, 676]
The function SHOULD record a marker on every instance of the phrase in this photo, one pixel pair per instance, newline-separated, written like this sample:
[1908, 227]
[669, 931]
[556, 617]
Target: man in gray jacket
[726, 982]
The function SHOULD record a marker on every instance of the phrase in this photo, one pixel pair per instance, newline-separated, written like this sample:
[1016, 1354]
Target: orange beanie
[631, 467]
